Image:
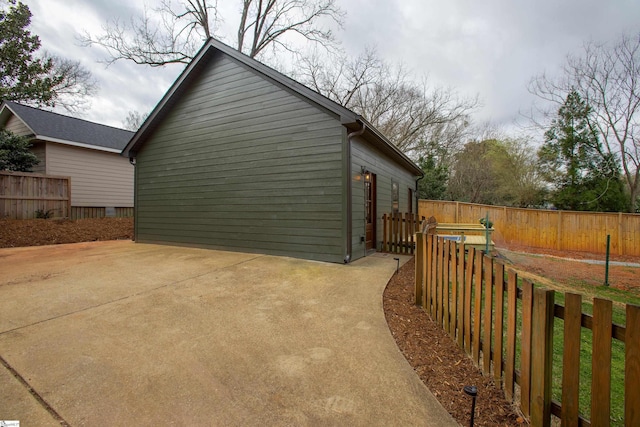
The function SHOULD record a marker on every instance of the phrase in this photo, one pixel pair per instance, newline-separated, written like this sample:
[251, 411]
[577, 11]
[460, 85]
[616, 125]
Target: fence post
[559, 245]
[384, 233]
[542, 349]
[477, 306]
[419, 265]
[412, 231]
[443, 318]
[428, 272]
[619, 233]
[453, 309]
[487, 317]
[632, 367]
[467, 299]
[461, 294]
[601, 362]
[525, 359]
[512, 313]
[425, 274]
[499, 325]
[435, 272]
[571, 359]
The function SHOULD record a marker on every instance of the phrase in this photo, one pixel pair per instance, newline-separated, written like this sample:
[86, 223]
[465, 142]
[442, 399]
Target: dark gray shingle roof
[54, 125]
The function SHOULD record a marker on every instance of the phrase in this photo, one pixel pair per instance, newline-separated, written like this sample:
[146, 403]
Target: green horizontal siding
[362, 154]
[239, 163]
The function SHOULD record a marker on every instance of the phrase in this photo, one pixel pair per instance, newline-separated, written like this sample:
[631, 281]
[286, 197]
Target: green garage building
[237, 156]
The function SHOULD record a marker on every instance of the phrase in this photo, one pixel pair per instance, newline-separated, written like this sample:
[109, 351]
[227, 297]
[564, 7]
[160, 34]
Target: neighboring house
[237, 156]
[89, 153]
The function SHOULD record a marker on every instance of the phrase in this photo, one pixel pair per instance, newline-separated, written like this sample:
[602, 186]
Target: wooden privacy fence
[561, 230]
[508, 330]
[23, 193]
[398, 230]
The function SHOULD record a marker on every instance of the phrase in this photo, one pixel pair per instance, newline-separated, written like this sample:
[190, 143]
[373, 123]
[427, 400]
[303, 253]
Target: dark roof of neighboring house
[349, 119]
[49, 126]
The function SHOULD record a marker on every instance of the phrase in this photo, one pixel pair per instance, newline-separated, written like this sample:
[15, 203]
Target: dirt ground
[558, 267]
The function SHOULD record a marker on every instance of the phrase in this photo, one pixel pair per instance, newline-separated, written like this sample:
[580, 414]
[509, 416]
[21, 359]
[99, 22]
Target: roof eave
[5, 110]
[387, 147]
[130, 150]
[76, 144]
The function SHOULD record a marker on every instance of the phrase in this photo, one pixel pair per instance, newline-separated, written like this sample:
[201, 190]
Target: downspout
[347, 258]
[133, 161]
[416, 195]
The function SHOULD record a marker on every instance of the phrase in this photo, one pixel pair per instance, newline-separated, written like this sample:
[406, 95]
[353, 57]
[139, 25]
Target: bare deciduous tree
[412, 115]
[165, 35]
[608, 79]
[172, 33]
[492, 171]
[74, 84]
[134, 120]
[264, 22]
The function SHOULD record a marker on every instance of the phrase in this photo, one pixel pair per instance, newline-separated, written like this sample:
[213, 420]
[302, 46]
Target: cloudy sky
[487, 48]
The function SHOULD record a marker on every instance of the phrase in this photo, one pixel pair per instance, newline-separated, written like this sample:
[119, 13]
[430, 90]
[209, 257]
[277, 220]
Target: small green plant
[483, 221]
[42, 214]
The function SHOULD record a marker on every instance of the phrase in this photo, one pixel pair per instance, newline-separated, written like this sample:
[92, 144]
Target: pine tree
[573, 161]
[433, 186]
[23, 77]
[14, 152]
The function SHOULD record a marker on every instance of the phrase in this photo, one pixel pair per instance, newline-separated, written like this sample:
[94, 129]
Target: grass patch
[620, 298]
[588, 291]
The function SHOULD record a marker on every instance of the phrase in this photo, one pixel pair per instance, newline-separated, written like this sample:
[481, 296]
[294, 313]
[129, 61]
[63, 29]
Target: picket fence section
[472, 296]
[398, 232]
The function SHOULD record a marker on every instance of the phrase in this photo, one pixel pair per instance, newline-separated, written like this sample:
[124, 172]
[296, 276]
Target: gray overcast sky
[488, 48]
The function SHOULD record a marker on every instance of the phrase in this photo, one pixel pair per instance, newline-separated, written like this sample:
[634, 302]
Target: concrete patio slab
[119, 333]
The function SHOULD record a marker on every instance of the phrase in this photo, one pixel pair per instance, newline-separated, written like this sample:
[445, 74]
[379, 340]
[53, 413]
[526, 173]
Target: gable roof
[347, 117]
[54, 127]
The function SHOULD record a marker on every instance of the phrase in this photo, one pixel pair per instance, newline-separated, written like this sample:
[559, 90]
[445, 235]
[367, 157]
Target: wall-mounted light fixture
[365, 174]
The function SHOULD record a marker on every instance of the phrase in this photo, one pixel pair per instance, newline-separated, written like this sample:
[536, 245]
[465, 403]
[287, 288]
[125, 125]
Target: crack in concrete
[34, 393]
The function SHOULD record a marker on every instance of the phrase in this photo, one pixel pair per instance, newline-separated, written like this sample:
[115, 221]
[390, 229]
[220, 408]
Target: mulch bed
[443, 367]
[37, 232]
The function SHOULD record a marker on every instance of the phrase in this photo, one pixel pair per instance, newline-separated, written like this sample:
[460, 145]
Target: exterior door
[370, 210]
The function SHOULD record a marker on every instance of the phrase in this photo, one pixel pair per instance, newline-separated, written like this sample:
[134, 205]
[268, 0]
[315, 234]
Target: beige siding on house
[39, 149]
[98, 178]
[17, 126]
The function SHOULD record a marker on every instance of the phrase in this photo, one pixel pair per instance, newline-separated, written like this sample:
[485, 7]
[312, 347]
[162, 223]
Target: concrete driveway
[117, 333]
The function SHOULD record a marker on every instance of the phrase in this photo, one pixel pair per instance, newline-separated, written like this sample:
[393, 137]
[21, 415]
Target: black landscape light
[472, 391]
[397, 264]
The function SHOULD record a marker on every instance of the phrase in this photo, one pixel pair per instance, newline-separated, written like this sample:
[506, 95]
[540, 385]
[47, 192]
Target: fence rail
[398, 230]
[561, 230]
[22, 194]
[83, 212]
[508, 330]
